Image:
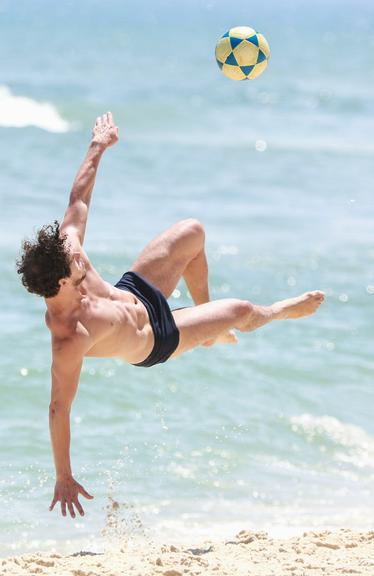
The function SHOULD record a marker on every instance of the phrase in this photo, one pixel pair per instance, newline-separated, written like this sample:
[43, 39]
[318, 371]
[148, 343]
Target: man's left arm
[104, 134]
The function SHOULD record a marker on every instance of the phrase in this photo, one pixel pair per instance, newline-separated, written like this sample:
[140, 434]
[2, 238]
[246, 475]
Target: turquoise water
[276, 433]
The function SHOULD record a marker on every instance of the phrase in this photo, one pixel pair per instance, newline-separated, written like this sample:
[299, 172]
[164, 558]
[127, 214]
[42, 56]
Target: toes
[317, 295]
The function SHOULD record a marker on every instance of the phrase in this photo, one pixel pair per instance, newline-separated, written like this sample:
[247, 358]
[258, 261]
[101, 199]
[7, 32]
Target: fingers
[109, 119]
[71, 509]
[84, 492]
[106, 118]
[52, 505]
[78, 506]
[69, 504]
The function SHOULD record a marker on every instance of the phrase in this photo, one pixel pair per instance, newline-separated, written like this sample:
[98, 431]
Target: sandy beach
[248, 553]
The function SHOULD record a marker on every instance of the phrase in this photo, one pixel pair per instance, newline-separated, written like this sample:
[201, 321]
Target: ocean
[276, 433]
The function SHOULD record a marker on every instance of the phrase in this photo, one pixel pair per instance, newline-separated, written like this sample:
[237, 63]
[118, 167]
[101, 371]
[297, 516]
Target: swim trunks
[165, 331]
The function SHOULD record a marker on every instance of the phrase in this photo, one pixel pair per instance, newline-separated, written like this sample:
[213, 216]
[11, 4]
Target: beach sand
[248, 553]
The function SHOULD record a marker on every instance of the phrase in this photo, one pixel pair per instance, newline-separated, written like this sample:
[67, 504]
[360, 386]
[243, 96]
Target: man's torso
[112, 322]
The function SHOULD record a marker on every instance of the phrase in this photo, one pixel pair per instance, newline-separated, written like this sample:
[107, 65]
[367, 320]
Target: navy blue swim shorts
[164, 328]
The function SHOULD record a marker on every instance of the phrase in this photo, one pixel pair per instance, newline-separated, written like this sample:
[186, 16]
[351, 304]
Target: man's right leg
[178, 252]
[209, 321]
[195, 276]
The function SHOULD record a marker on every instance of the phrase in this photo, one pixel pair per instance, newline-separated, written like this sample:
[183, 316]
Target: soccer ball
[242, 53]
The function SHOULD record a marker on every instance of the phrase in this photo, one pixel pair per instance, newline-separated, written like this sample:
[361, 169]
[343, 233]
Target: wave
[19, 112]
[351, 443]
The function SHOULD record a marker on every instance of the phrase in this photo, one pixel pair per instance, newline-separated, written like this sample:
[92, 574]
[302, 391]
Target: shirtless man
[87, 316]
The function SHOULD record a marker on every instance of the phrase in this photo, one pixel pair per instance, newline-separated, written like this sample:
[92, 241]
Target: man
[87, 316]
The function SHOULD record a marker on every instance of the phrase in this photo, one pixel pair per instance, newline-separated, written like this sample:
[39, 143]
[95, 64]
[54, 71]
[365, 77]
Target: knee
[193, 229]
[193, 226]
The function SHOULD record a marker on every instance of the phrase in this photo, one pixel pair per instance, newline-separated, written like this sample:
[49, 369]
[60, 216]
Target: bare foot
[303, 305]
[228, 337]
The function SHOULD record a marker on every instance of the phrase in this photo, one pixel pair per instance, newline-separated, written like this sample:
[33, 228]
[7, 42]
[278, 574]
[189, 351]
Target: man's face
[78, 274]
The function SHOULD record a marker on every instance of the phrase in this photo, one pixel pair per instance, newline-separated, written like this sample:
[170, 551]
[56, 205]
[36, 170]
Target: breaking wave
[351, 443]
[19, 112]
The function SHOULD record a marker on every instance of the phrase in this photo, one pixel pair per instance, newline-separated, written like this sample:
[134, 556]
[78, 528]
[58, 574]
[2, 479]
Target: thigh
[164, 259]
[200, 323]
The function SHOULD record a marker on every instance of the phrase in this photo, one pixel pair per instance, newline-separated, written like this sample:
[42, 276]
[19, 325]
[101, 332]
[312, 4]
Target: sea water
[277, 432]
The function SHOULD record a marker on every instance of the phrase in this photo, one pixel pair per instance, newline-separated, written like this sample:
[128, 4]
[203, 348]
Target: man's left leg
[199, 324]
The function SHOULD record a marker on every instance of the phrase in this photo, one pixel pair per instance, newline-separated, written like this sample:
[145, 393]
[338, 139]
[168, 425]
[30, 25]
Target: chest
[103, 315]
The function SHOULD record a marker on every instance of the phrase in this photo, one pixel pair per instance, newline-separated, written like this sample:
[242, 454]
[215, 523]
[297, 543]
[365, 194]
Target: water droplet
[261, 145]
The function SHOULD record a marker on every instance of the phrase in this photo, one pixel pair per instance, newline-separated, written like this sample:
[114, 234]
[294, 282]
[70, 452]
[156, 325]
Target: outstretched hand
[66, 492]
[105, 132]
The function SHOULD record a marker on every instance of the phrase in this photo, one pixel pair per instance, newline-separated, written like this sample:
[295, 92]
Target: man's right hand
[66, 492]
[105, 132]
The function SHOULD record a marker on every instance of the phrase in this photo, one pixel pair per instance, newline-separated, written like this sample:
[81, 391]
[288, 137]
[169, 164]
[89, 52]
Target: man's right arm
[66, 367]
[104, 134]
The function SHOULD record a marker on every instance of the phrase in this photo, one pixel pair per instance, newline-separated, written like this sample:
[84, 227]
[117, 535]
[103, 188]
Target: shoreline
[314, 553]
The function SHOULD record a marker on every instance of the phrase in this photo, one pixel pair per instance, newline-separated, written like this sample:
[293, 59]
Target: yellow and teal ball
[242, 53]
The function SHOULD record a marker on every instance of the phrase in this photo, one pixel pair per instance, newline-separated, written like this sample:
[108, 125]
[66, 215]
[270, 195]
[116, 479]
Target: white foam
[353, 444]
[19, 112]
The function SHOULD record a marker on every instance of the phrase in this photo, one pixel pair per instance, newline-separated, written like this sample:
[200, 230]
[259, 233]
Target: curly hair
[45, 261]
